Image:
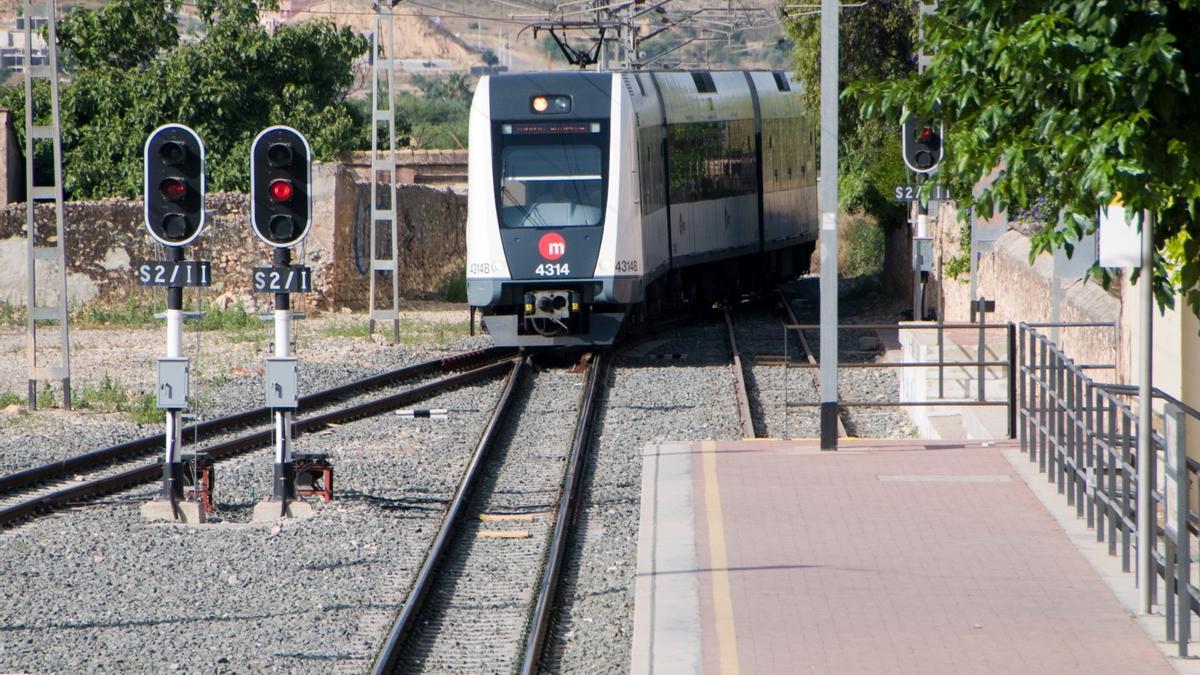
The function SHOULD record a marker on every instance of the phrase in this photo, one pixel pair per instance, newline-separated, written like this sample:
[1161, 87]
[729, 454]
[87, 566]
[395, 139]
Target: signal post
[281, 215]
[921, 143]
[174, 191]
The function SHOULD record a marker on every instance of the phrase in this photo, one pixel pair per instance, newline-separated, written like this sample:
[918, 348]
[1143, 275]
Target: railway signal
[174, 185]
[173, 193]
[281, 186]
[281, 215]
[921, 141]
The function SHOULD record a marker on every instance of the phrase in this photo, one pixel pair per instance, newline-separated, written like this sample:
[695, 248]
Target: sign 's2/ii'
[174, 273]
[911, 193]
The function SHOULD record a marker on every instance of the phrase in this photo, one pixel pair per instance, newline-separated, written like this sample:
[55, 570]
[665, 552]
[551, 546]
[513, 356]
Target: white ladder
[383, 116]
[49, 249]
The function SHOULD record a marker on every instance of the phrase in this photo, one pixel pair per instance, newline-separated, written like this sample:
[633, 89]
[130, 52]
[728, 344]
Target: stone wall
[106, 239]
[431, 245]
[12, 160]
[1022, 293]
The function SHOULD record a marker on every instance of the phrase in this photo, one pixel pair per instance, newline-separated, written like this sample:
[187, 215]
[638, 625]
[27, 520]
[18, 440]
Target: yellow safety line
[719, 562]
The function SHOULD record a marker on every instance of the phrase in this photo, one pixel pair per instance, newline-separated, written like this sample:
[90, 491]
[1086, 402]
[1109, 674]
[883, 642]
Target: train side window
[704, 83]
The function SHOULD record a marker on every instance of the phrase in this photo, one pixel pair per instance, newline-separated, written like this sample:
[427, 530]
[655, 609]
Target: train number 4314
[553, 270]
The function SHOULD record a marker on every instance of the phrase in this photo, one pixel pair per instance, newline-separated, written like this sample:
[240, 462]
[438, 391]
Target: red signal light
[925, 135]
[173, 189]
[281, 190]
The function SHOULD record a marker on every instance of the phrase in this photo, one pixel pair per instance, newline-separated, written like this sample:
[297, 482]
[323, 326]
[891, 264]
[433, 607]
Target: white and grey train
[597, 199]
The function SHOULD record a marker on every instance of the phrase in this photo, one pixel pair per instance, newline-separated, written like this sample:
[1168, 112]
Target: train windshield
[555, 181]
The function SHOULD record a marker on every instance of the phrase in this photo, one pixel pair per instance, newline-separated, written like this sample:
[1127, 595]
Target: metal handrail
[921, 325]
[1084, 438]
[1070, 324]
[1156, 393]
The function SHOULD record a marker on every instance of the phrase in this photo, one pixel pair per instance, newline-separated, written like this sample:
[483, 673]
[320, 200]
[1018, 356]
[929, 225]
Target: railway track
[51, 487]
[485, 592]
[739, 374]
[810, 357]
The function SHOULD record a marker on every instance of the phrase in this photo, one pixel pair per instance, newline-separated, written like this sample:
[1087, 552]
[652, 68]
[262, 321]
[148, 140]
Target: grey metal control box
[173, 383]
[923, 252]
[282, 382]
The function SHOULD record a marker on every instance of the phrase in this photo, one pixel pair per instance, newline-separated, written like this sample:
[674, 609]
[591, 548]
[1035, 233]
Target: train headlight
[552, 105]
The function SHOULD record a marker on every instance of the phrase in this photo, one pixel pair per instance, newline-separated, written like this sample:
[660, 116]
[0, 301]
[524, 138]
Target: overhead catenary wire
[463, 15]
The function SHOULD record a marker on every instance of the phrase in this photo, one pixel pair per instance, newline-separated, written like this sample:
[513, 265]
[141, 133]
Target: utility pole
[1145, 467]
[828, 197]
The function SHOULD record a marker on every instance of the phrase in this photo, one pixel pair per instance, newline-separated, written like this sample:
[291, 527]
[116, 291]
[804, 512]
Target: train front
[538, 195]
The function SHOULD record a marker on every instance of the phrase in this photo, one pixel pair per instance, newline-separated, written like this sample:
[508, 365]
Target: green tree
[129, 72]
[438, 116]
[1082, 103]
[875, 45]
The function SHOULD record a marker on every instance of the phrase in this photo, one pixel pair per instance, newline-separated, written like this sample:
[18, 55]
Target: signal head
[281, 189]
[921, 144]
[280, 186]
[174, 189]
[174, 185]
[173, 153]
[282, 226]
[280, 155]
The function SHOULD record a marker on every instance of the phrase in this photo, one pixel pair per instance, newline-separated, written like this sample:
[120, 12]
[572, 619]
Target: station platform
[883, 557]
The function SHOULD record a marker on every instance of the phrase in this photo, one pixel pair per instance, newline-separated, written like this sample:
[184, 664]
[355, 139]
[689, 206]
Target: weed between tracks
[139, 311]
[412, 331]
[106, 396]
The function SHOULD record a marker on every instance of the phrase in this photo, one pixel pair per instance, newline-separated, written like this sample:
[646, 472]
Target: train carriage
[600, 198]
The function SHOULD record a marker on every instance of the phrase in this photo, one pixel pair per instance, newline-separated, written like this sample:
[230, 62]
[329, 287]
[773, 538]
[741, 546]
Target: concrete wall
[106, 239]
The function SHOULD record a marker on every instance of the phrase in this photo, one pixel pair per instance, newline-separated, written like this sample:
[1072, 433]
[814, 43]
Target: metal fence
[1084, 437]
[981, 363]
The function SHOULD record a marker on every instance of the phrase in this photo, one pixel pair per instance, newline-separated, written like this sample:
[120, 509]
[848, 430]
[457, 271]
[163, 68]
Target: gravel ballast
[115, 593]
[474, 617]
[645, 402]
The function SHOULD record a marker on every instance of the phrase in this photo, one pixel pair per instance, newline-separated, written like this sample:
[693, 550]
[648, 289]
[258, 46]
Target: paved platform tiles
[884, 557]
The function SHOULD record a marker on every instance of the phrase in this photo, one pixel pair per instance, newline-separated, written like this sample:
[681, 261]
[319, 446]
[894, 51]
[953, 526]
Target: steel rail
[27, 478]
[743, 396]
[539, 620]
[796, 326]
[146, 473]
[402, 628]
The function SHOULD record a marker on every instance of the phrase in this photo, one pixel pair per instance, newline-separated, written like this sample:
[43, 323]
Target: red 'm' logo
[552, 246]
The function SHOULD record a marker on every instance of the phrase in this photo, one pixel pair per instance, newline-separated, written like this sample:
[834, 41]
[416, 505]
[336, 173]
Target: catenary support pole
[172, 489]
[829, 233]
[1145, 504]
[285, 477]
